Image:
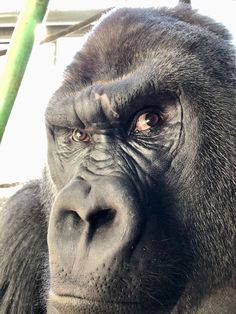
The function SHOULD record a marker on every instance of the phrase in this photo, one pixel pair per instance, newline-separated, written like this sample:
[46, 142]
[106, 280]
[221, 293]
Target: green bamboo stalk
[18, 55]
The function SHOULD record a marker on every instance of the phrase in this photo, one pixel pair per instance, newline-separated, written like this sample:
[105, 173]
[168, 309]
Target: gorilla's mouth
[73, 298]
[76, 304]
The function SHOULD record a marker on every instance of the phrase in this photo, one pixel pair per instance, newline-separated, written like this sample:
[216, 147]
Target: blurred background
[23, 149]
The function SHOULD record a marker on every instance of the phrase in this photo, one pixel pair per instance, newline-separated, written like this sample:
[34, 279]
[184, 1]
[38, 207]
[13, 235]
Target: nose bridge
[101, 155]
[101, 161]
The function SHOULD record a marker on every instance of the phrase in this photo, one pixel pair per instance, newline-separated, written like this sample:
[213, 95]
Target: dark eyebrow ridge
[61, 113]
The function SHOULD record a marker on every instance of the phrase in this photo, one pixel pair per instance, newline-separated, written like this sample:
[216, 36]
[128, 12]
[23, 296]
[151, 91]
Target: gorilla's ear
[184, 12]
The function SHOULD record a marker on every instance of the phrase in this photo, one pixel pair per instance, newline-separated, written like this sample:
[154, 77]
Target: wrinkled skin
[136, 210]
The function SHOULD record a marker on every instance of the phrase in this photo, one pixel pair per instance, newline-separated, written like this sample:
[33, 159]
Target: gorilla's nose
[94, 219]
[81, 203]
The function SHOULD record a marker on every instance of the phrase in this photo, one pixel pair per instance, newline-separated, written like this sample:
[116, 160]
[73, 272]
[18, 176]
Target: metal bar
[18, 55]
[74, 28]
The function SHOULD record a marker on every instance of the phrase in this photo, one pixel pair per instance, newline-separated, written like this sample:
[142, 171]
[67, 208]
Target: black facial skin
[107, 216]
[138, 201]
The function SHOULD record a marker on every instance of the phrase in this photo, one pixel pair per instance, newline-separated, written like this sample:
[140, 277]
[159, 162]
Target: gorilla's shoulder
[24, 208]
[23, 203]
[28, 194]
[23, 247]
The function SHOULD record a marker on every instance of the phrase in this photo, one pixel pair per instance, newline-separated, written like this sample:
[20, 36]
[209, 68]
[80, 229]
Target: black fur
[23, 248]
[186, 183]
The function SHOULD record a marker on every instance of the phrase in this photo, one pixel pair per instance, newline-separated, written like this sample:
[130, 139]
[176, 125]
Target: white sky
[221, 10]
[23, 149]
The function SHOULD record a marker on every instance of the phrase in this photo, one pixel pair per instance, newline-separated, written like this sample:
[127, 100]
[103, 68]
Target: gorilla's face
[125, 142]
[108, 233]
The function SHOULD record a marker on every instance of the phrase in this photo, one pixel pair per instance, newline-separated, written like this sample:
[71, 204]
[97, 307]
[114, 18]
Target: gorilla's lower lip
[75, 304]
[77, 299]
[66, 303]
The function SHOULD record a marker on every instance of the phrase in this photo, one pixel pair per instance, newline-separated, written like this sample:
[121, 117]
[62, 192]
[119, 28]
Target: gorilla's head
[140, 154]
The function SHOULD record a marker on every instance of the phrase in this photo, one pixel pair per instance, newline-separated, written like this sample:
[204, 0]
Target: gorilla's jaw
[115, 295]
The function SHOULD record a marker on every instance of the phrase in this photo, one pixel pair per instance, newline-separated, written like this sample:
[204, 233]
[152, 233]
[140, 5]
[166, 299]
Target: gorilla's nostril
[101, 217]
[70, 220]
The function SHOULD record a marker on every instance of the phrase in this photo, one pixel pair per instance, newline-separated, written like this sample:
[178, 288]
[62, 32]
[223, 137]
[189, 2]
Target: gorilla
[135, 211]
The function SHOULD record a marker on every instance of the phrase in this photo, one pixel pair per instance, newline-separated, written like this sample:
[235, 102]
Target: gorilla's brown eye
[79, 136]
[146, 121]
